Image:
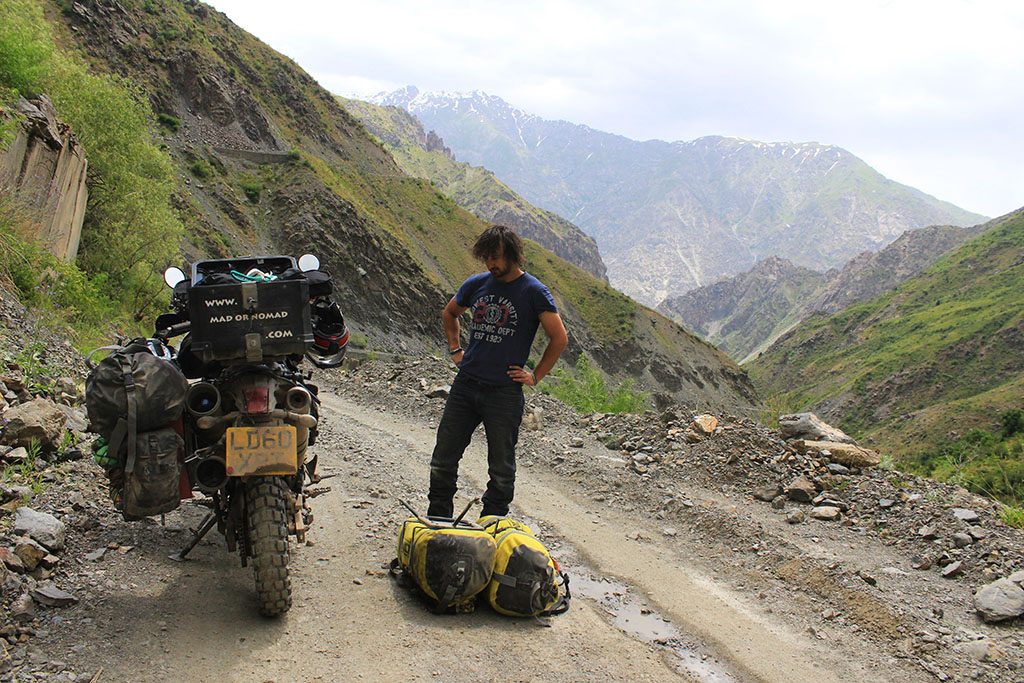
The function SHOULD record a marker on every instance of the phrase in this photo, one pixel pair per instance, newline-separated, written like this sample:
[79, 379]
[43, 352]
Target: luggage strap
[534, 586]
[126, 430]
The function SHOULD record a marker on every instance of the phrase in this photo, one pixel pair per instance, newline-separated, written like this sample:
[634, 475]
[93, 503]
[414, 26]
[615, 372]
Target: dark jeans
[470, 402]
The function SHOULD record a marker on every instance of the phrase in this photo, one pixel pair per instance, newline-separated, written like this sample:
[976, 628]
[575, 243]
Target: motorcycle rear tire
[267, 508]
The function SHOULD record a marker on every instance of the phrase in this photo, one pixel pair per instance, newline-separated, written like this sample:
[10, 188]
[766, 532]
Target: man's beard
[501, 273]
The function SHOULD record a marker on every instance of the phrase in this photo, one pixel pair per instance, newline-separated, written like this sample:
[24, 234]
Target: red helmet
[330, 335]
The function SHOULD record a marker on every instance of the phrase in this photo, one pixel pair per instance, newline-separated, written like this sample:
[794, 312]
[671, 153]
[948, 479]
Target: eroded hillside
[272, 162]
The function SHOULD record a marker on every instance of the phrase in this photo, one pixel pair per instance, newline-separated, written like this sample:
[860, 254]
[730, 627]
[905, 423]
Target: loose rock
[1000, 600]
[49, 595]
[41, 527]
[810, 426]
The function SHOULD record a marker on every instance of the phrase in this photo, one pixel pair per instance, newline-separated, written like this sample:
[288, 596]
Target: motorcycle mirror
[173, 276]
[308, 262]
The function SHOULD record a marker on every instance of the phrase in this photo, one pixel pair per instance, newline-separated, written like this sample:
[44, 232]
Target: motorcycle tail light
[257, 400]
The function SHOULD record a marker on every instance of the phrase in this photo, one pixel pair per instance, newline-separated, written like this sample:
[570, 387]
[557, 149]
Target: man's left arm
[558, 339]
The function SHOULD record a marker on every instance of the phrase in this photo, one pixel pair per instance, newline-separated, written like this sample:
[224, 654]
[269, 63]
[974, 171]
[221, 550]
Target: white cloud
[928, 91]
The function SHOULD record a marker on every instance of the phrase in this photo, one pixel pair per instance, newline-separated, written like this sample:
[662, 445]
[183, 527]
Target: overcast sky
[930, 93]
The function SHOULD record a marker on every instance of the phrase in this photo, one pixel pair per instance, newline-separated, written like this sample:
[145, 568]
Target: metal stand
[203, 529]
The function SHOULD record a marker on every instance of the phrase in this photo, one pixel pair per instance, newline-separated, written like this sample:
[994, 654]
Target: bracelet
[455, 351]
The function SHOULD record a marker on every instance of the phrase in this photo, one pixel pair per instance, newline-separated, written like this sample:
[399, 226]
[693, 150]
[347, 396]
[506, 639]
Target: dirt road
[643, 612]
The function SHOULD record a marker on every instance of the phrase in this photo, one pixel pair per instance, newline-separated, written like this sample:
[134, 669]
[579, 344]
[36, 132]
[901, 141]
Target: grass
[990, 463]
[1012, 516]
[587, 390]
[169, 121]
[201, 169]
[25, 472]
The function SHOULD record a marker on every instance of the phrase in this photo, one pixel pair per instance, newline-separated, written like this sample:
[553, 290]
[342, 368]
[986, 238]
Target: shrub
[1013, 422]
[131, 230]
[168, 121]
[201, 169]
[252, 188]
[587, 391]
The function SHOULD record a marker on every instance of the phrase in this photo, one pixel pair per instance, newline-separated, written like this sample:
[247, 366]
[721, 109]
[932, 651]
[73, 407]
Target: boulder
[439, 391]
[704, 424]
[801, 490]
[826, 513]
[843, 453]
[533, 419]
[810, 426]
[965, 515]
[1000, 600]
[49, 595]
[23, 609]
[30, 552]
[37, 420]
[41, 527]
[768, 493]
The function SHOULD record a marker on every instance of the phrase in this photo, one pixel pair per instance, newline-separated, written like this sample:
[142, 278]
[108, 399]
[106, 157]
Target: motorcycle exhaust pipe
[299, 401]
[202, 399]
[211, 474]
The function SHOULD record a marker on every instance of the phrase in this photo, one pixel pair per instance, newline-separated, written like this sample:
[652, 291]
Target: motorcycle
[250, 411]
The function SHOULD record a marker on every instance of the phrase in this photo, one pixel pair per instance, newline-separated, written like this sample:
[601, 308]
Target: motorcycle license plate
[261, 451]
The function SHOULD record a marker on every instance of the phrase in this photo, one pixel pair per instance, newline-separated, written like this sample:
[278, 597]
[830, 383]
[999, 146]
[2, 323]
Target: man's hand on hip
[522, 375]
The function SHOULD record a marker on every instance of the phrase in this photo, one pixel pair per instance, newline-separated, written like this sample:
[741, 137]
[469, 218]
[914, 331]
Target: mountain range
[424, 155]
[744, 314]
[939, 355]
[270, 162]
[669, 217]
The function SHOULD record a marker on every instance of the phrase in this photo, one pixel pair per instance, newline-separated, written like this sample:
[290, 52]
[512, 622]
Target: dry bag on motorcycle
[152, 486]
[132, 397]
[450, 564]
[526, 581]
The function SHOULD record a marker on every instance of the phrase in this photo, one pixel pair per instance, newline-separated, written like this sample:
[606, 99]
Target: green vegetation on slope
[130, 228]
[943, 351]
[986, 462]
[587, 390]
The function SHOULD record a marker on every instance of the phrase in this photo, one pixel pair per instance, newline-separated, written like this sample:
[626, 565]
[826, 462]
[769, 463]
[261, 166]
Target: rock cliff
[44, 170]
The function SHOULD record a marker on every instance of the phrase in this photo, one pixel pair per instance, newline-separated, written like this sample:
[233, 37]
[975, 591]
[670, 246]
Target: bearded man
[507, 306]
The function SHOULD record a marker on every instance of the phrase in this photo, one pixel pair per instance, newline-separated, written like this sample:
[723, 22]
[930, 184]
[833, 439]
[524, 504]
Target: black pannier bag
[152, 486]
[247, 320]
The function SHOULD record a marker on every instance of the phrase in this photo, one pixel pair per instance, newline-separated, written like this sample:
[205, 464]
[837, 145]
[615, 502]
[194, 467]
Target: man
[508, 305]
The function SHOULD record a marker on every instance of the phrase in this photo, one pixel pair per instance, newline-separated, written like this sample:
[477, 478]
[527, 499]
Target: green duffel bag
[152, 487]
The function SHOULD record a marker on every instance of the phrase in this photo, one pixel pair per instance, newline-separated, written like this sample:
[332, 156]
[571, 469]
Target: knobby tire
[267, 508]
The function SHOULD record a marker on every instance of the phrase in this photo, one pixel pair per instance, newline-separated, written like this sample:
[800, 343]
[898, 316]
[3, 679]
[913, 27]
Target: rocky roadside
[927, 571]
[825, 540]
[50, 496]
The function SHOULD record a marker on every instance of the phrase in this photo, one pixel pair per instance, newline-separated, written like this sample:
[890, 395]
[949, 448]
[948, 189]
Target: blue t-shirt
[505, 321]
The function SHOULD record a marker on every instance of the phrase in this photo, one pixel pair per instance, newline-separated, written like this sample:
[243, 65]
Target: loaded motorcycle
[249, 412]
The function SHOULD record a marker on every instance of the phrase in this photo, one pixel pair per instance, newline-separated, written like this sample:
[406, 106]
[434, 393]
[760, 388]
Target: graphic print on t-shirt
[494, 319]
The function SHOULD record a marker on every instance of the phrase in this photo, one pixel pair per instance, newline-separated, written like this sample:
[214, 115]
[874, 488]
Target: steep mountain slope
[424, 155]
[870, 274]
[744, 314]
[738, 313]
[944, 352]
[272, 163]
[670, 217]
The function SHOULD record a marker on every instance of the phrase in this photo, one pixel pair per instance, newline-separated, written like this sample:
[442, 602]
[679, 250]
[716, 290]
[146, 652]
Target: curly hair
[499, 240]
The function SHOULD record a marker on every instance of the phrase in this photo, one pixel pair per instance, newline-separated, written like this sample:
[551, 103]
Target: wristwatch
[455, 351]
